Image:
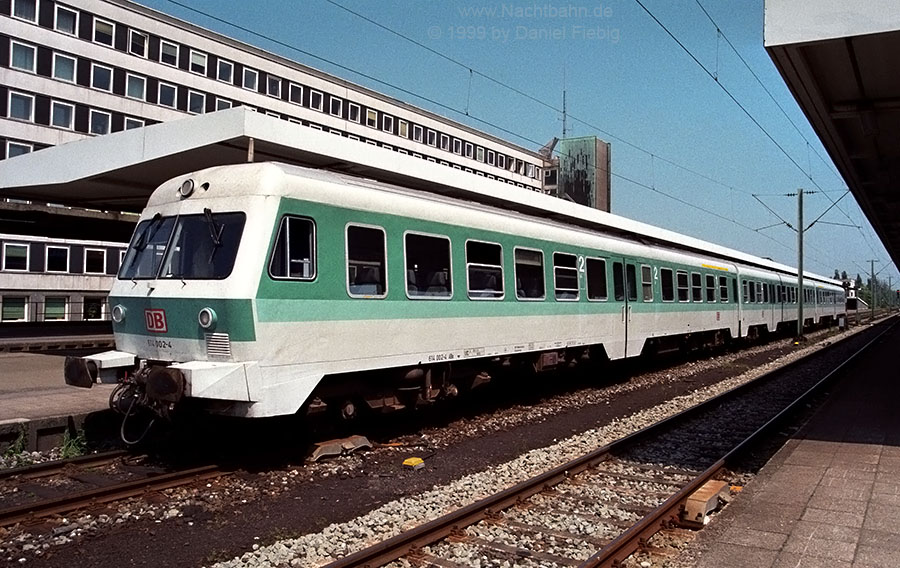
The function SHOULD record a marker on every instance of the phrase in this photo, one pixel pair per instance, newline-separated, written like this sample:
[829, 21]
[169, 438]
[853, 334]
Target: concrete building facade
[91, 67]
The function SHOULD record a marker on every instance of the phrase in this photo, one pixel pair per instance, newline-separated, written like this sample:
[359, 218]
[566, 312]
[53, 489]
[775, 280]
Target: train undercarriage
[158, 390]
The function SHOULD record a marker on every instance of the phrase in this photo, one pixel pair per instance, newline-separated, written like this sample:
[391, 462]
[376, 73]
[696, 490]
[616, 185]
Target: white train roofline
[493, 194]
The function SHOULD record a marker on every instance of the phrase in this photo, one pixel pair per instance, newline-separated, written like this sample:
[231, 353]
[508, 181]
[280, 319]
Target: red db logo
[156, 321]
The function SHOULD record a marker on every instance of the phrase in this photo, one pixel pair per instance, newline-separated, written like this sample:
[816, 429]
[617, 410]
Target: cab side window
[293, 256]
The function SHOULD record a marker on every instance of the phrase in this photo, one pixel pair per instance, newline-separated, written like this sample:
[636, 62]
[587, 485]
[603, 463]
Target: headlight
[207, 318]
[118, 313]
[187, 188]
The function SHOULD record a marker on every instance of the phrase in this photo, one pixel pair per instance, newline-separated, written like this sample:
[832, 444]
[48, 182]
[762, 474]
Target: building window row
[14, 307]
[195, 61]
[404, 151]
[40, 109]
[57, 259]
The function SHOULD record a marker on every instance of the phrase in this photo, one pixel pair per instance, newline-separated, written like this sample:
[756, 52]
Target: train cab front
[182, 311]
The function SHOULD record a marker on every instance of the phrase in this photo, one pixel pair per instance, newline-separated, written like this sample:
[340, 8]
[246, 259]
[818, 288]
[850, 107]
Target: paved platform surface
[49, 343]
[32, 387]
[831, 496]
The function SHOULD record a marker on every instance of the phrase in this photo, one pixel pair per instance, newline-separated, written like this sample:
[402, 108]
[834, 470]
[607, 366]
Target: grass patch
[72, 446]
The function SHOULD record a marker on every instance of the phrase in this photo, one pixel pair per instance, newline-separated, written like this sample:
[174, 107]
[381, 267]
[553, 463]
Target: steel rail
[406, 542]
[115, 492]
[56, 466]
[627, 543]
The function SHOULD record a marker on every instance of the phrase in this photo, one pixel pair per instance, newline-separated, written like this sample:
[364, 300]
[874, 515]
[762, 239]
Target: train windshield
[201, 246]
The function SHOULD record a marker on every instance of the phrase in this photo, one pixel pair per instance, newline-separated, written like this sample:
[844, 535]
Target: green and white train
[265, 289]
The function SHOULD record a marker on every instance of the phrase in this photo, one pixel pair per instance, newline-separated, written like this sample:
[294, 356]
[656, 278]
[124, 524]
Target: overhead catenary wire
[725, 90]
[532, 98]
[652, 155]
[526, 95]
[738, 103]
[497, 127]
[428, 99]
[766, 89]
[809, 146]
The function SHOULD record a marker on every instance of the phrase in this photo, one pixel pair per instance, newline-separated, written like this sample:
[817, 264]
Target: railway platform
[831, 495]
[35, 400]
[45, 343]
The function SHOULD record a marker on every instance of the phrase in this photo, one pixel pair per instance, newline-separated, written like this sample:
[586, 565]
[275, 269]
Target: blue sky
[627, 81]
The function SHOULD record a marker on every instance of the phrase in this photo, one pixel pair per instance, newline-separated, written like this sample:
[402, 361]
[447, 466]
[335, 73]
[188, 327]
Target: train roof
[492, 193]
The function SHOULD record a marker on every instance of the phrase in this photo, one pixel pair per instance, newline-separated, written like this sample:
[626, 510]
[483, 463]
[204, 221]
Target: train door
[625, 293]
[738, 285]
[597, 272]
[779, 300]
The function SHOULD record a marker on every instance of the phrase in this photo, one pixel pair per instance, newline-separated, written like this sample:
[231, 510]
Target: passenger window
[565, 276]
[759, 292]
[428, 266]
[596, 279]
[683, 291]
[484, 267]
[618, 282]
[723, 288]
[529, 274]
[667, 281]
[647, 282]
[696, 287]
[293, 256]
[631, 282]
[710, 288]
[746, 291]
[366, 267]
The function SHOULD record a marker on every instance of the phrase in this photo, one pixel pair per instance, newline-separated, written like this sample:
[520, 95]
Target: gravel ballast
[249, 518]
[341, 539]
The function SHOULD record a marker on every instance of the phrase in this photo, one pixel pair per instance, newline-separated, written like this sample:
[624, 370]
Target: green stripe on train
[235, 317]
[331, 273]
[288, 310]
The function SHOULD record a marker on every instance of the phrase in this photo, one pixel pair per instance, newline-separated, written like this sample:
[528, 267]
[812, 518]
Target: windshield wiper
[215, 232]
[144, 239]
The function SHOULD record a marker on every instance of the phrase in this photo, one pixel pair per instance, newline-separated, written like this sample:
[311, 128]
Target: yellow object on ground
[414, 463]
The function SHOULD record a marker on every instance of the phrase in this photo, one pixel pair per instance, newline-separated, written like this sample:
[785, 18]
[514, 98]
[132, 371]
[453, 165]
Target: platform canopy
[841, 59]
[118, 171]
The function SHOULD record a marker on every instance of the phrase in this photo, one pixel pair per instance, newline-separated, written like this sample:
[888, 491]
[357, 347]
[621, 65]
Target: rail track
[599, 509]
[93, 489]
[56, 467]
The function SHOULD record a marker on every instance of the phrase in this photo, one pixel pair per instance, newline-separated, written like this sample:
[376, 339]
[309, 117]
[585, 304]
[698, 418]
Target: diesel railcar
[266, 289]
